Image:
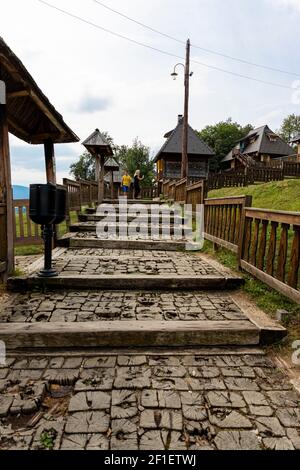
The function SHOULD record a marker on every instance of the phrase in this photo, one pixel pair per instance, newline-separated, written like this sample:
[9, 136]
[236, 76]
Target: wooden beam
[279, 286]
[38, 138]
[48, 113]
[17, 129]
[7, 222]
[50, 161]
[18, 94]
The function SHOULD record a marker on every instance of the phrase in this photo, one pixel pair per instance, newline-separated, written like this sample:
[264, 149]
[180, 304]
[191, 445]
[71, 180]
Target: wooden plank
[282, 257]
[279, 286]
[128, 282]
[255, 242]
[7, 222]
[233, 225]
[219, 241]
[272, 249]
[225, 200]
[295, 258]
[282, 217]
[262, 245]
[129, 333]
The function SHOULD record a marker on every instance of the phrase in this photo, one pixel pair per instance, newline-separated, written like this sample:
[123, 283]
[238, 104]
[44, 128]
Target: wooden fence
[291, 169]
[227, 180]
[25, 231]
[195, 194]
[267, 242]
[180, 190]
[270, 249]
[224, 220]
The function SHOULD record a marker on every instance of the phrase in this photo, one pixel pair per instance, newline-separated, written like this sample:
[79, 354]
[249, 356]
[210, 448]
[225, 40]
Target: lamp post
[187, 75]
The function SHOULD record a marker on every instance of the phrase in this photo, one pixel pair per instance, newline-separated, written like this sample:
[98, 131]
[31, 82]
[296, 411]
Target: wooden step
[127, 282]
[129, 334]
[119, 244]
[115, 227]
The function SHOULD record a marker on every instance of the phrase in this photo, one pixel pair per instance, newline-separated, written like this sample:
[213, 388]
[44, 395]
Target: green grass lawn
[277, 195]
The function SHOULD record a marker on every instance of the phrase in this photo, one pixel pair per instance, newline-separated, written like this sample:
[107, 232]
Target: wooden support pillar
[50, 161]
[50, 174]
[6, 195]
[99, 177]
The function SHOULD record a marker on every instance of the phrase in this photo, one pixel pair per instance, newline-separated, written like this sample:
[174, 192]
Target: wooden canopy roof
[31, 116]
[97, 145]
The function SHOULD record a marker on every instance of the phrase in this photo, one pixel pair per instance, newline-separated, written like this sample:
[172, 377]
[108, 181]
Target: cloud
[31, 157]
[93, 104]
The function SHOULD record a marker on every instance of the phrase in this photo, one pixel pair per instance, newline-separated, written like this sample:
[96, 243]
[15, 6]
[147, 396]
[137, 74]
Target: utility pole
[184, 161]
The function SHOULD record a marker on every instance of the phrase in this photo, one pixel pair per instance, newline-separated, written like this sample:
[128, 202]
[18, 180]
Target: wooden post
[50, 173]
[50, 161]
[242, 229]
[112, 185]
[99, 177]
[184, 162]
[6, 196]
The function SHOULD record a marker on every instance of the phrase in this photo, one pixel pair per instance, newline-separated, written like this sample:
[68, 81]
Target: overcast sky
[97, 80]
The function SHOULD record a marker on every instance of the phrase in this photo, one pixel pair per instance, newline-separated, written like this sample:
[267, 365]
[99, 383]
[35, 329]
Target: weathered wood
[255, 242]
[130, 333]
[262, 245]
[228, 245]
[247, 240]
[282, 257]
[129, 282]
[50, 161]
[279, 286]
[281, 217]
[7, 220]
[295, 259]
[272, 249]
[233, 225]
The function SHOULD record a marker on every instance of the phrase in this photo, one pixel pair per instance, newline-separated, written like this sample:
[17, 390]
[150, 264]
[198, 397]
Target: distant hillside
[20, 192]
[277, 195]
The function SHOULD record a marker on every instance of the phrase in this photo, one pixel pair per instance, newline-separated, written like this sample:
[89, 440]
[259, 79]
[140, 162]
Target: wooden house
[168, 159]
[260, 145]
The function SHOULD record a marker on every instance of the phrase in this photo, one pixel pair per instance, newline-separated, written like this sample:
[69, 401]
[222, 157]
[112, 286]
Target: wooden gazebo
[98, 148]
[28, 114]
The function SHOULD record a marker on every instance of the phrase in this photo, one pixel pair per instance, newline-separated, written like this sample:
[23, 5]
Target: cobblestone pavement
[22, 262]
[147, 401]
[93, 261]
[83, 306]
[137, 236]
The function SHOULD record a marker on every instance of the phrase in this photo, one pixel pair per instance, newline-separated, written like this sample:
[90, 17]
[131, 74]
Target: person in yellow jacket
[125, 184]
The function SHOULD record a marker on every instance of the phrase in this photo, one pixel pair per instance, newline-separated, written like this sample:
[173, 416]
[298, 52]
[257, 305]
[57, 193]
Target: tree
[136, 157]
[222, 137]
[290, 127]
[85, 167]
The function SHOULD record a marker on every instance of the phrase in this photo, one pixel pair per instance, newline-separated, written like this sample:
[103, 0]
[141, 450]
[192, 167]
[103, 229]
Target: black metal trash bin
[47, 207]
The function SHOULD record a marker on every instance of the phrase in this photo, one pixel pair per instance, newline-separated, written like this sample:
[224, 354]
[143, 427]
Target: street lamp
[187, 75]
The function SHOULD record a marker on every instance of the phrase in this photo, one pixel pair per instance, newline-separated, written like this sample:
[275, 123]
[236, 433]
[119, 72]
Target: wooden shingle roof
[173, 144]
[31, 116]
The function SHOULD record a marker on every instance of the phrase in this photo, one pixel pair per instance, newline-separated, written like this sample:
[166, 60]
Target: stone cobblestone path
[178, 401]
[138, 345]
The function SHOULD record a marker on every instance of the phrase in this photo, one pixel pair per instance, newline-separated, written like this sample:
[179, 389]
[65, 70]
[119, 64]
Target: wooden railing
[264, 174]
[226, 180]
[270, 249]
[224, 220]
[291, 169]
[267, 242]
[25, 231]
